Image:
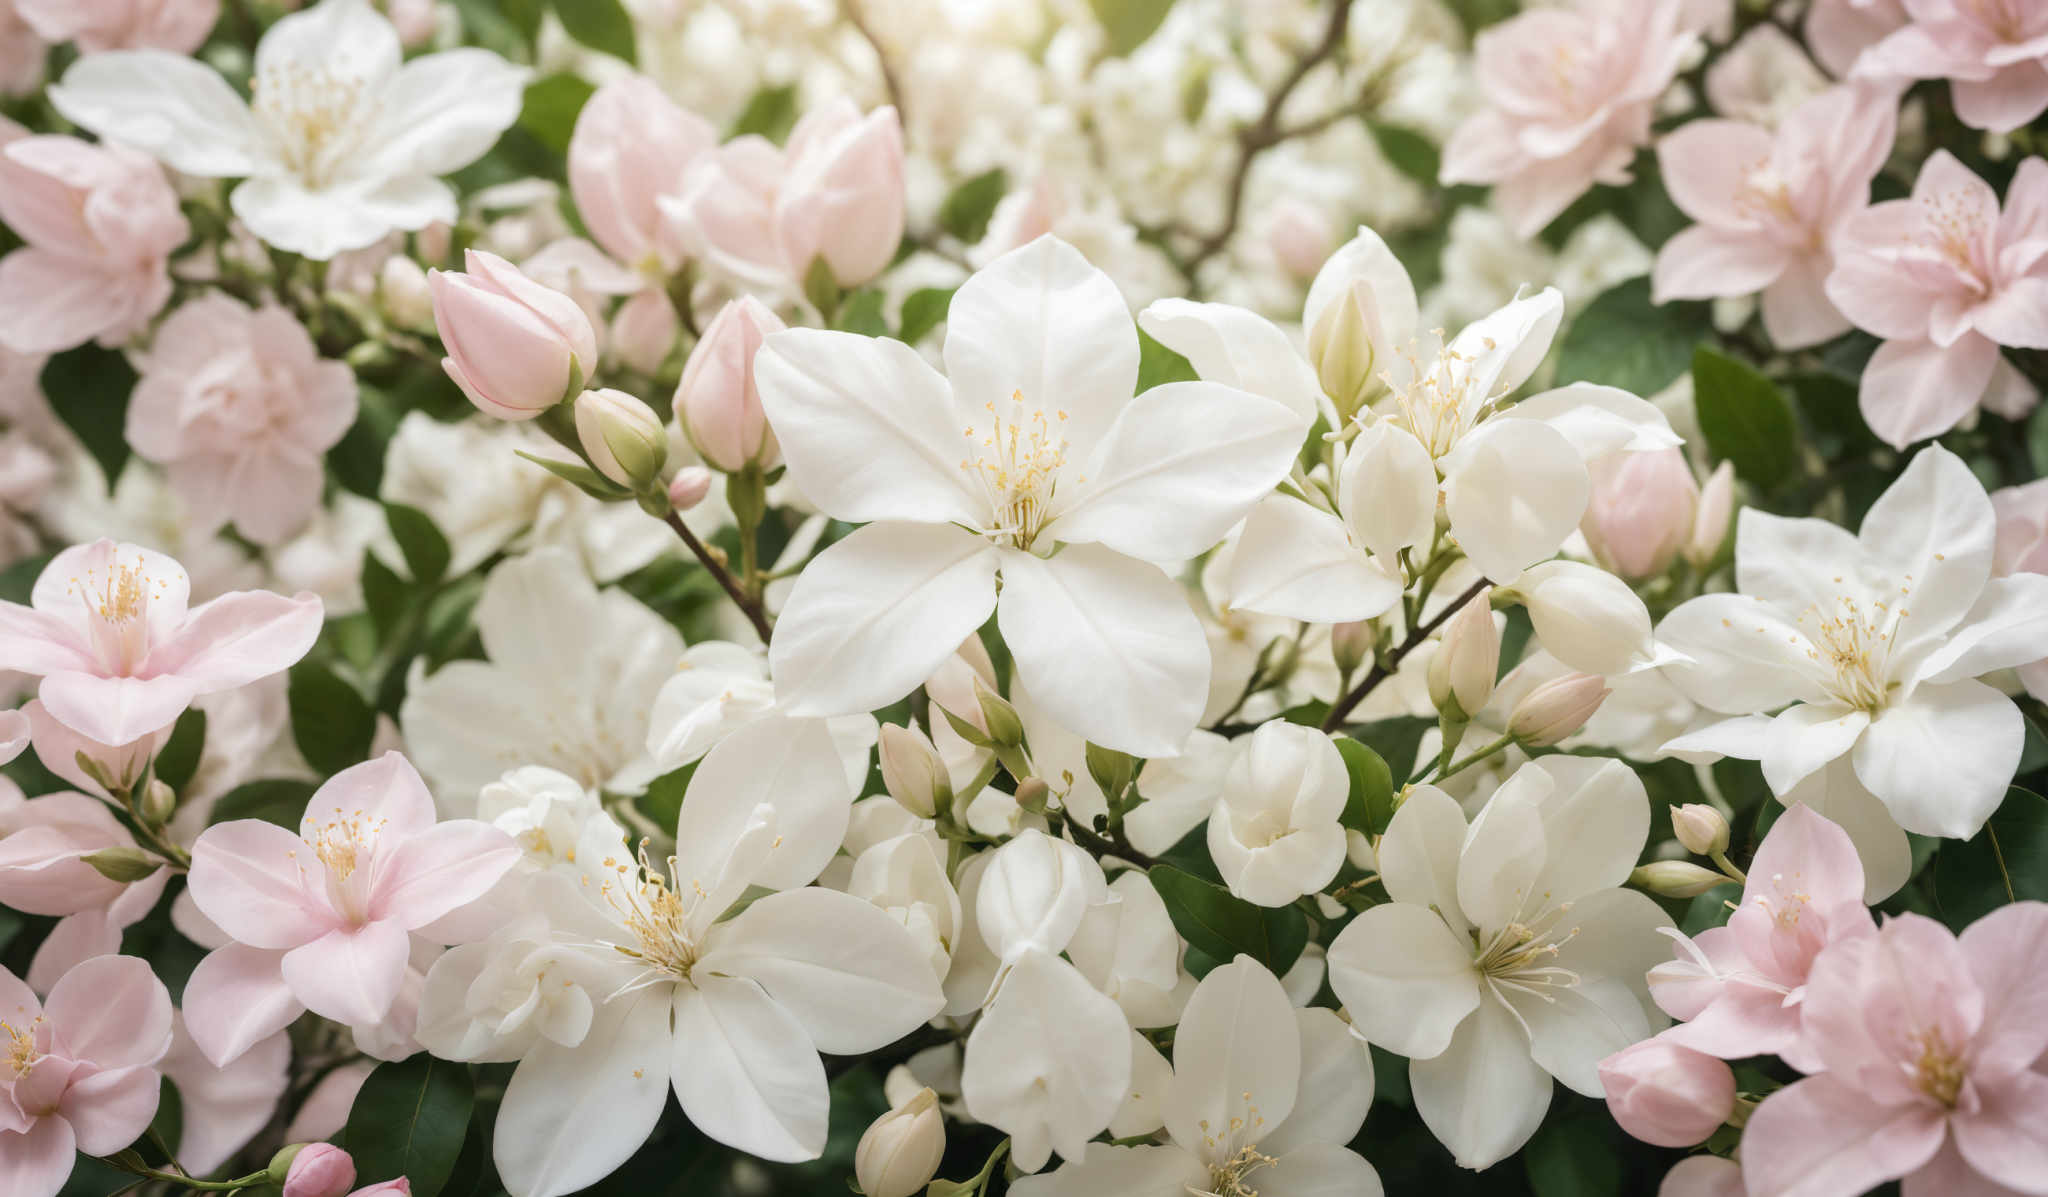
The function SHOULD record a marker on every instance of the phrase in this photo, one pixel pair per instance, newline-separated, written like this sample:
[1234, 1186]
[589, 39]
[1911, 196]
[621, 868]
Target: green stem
[1476, 757]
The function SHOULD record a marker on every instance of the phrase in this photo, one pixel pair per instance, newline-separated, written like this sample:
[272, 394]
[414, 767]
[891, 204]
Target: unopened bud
[123, 864]
[1005, 729]
[1113, 771]
[912, 771]
[1341, 347]
[1351, 643]
[159, 802]
[1675, 878]
[402, 289]
[1710, 519]
[318, 1170]
[900, 1151]
[689, 487]
[1556, 709]
[1700, 828]
[1031, 794]
[1462, 672]
[622, 437]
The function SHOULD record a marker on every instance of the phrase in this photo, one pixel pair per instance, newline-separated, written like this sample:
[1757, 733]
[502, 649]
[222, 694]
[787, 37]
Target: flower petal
[109, 1110]
[437, 869]
[239, 638]
[1295, 561]
[236, 998]
[172, 107]
[1482, 1097]
[351, 974]
[258, 881]
[1746, 655]
[1514, 491]
[112, 1011]
[1236, 1059]
[745, 1071]
[1941, 761]
[1406, 980]
[442, 112]
[1821, 1136]
[1229, 345]
[572, 1115]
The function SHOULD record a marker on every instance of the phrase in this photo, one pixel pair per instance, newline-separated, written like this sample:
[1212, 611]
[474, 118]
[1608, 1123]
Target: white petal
[167, 105]
[1514, 490]
[1336, 1085]
[1394, 319]
[1404, 978]
[1387, 490]
[1295, 561]
[1236, 1061]
[1034, 893]
[1599, 420]
[1941, 760]
[1497, 353]
[1805, 738]
[1744, 737]
[1483, 1097]
[746, 1073]
[1596, 816]
[1934, 528]
[871, 617]
[1746, 656]
[868, 428]
[1151, 1081]
[1418, 856]
[1319, 1170]
[1049, 1062]
[1042, 322]
[572, 1115]
[1572, 1030]
[1501, 868]
[344, 38]
[1119, 1172]
[789, 765]
[1107, 645]
[442, 112]
[321, 224]
[1155, 492]
[1237, 348]
[2007, 627]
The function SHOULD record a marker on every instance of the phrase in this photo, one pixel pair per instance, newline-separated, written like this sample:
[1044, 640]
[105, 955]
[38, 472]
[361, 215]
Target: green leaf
[331, 722]
[179, 757]
[1622, 340]
[663, 799]
[1222, 925]
[410, 1119]
[279, 800]
[771, 113]
[923, 310]
[88, 389]
[862, 313]
[1745, 418]
[2037, 439]
[1411, 153]
[1129, 22]
[1157, 364]
[589, 481]
[384, 593]
[1370, 805]
[966, 210]
[426, 550]
[601, 25]
[1573, 1157]
[553, 103]
[2005, 862]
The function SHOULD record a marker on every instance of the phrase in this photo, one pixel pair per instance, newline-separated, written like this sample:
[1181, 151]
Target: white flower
[1508, 955]
[1588, 618]
[342, 143]
[1876, 640]
[1128, 949]
[1033, 894]
[906, 877]
[1261, 1099]
[1274, 834]
[732, 1011]
[560, 826]
[721, 687]
[572, 672]
[1029, 460]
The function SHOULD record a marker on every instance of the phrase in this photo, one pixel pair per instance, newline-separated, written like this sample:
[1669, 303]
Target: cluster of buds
[1646, 511]
[1702, 831]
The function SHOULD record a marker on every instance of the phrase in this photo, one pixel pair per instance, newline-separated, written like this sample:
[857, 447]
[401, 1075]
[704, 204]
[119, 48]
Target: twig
[749, 605]
[1383, 669]
[1116, 844]
[858, 20]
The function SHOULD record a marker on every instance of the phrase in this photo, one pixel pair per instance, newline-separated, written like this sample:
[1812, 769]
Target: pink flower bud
[689, 487]
[622, 437]
[320, 1170]
[1641, 512]
[1667, 1095]
[717, 400]
[643, 331]
[1710, 521]
[1298, 233]
[630, 147]
[843, 196]
[1351, 642]
[1465, 665]
[513, 345]
[1556, 709]
[415, 21]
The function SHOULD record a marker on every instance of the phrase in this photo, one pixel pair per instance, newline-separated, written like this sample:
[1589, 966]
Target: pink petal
[326, 1109]
[1482, 150]
[1808, 847]
[1746, 1020]
[1703, 262]
[18, 1004]
[41, 873]
[109, 1110]
[1797, 310]
[1822, 1137]
[2007, 951]
[224, 1108]
[2012, 97]
[38, 642]
[1706, 166]
[385, 796]
[238, 638]
[351, 975]
[2026, 204]
[235, 998]
[1913, 390]
[2017, 315]
[1872, 998]
[37, 1162]
[112, 1011]
[439, 869]
[257, 881]
[49, 302]
[2006, 1137]
[115, 710]
[75, 939]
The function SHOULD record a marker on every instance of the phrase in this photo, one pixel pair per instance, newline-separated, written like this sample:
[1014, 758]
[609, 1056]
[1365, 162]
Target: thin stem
[857, 19]
[749, 606]
[1476, 757]
[1116, 844]
[1728, 867]
[1381, 670]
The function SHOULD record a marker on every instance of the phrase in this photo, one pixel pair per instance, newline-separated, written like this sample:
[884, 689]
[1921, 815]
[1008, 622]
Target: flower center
[1434, 406]
[313, 113]
[1520, 955]
[1854, 645]
[21, 1054]
[1939, 1072]
[656, 912]
[342, 844]
[1017, 457]
[1787, 907]
[2000, 18]
[1954, 228]
[117, 613]
[1231, 1177]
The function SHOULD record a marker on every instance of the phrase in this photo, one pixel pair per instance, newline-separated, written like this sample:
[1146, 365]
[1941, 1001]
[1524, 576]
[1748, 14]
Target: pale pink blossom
[120, 766]
[79, 1071]
[1666, 1094]
[120, 653]
[323, 920]
[514, 346]
[26, 476]
[21, 53]
[1703, 1176]
[1737, 990]
[1946, 278]
[718, 402]
[100, 222]
[2022, 548]
[1570, 93]
[1926, 1042]
[239, 407]
[631, 146]
[1763, 77]
[222, 1109]
[1839, 31]
[1770, 206]
[175, 25]
[1641, 511]
[325, 1110]
[1994, 53]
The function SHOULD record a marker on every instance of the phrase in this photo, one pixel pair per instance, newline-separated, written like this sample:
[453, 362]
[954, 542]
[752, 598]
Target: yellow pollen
[21, 1048]
[1940, 1071]
[341, 843]
[1017, 459]
[1856, 648]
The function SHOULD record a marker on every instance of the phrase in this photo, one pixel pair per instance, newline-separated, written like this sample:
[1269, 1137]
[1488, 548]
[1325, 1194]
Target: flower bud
[1586, 617]
[1711, 517]
[622, 437]
[514, 347]
[1341, 347]
[631, 145]
[1667, 1095]
[1700, 828]
[1031, 794]
[1350, 643]
[158, 802]
[123, 864]
[318, 1170]
[1640, 512]
[912, 771]
[689, 487]
[900, 1151]
[1298, 233]
[1556, 709]
[843, 197]
[643, 331]
[1675, 878]
[1112, 771]
[402, 289]
[717, 400]
[1005, 729]
[1462, 672]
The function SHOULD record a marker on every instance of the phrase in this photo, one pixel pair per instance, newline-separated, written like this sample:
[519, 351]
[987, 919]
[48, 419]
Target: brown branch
[749, 605]
[1383, 669]
[855, 18]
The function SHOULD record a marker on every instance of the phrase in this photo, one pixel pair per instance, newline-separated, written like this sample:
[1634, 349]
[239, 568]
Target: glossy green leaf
[426, 550]
[553, 102]
[179, 757]
[410, 1119]
[966, 210]
[1745, 418]
[923, 311]
[279, 800]
[2006, 862]
[1222, 925]
[88, 388]
[1623, 340]
[331, 721]
[1370, 805]
[601, 25]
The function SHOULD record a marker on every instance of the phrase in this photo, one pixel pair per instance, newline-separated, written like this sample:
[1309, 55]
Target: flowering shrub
[1122, 598]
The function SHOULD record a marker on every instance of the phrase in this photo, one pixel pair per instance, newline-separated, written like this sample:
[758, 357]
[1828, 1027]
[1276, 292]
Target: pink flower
[100, 222]
[1841, 30]
[21, 53]
[718, 403]
[1946, 279]
[239, 407]
[2022, 548]
[1703, 1176]
[175, 25]
[120, 654]
[322, 920]
[1770, 206]
[513, 345]
[223, 1108]
[78, 1074]
[1738, 988]
[1641, 511]
[1666, 1094]
[1569, 97]
[1993, 52]
[631, 146]
[1927, 1042]
[43, 843]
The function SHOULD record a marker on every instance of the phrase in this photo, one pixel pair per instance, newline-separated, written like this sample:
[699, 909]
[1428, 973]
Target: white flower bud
[1005, 729]
[1700, 828]
[900, 1151]
[402, 289]
[912, 771]
[1675, 878]
[1351, 643]
[1462, 672]
[1556, 709]
[1586, 617]
[1341, 347]
[1710, 519]
[622, 436]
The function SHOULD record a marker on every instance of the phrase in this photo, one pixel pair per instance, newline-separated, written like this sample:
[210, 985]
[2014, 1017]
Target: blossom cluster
[1078, 599]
